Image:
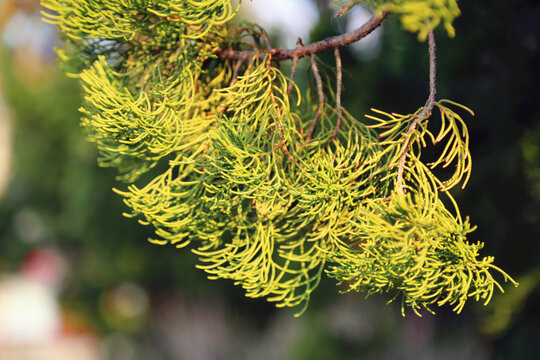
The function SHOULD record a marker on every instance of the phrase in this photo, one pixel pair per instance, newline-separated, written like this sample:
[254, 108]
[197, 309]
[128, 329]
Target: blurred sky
[282, 16]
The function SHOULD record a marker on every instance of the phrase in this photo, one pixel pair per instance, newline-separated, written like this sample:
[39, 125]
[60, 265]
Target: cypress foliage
[269, 189]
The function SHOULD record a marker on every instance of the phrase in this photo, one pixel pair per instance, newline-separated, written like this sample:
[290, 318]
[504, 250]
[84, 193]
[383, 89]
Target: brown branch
[235, 72]
[293, 73]
[251, 45]
[299, 44]
[346, 8]
[338, 92]
[321, 96]
[426, 111]
[266, 40]
[314, 48]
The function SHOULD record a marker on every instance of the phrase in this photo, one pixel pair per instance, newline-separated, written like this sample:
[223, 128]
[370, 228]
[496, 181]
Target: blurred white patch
[290, 19]
[29, 313]
[369, 47]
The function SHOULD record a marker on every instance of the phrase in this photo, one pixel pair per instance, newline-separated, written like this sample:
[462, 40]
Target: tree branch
[338, 92]
[314, 48]
[299, 44]
[321, 96]
[346, 8]
[426, 111]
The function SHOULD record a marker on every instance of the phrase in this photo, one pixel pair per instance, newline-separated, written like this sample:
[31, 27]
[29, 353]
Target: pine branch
[338, 92]
[307, 50]
[321, 97]
[426, 111]
[274, 221]
[346, 8]
[299, 44]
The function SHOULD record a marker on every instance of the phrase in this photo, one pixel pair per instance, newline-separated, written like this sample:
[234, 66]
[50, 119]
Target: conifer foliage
[269, 188]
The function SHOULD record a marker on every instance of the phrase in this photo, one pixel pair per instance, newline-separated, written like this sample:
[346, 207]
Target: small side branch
[293, 74]
[346, 8]
[338, 92]
[299, 44]
[279, 116]
[426, 111]
[235, 71]
[314, 48]
[321, 96]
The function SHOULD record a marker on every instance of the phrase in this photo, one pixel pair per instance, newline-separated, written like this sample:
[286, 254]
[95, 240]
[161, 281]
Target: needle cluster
[268, 188]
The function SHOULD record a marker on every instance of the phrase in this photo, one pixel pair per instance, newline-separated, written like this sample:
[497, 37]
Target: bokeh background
[78, 280]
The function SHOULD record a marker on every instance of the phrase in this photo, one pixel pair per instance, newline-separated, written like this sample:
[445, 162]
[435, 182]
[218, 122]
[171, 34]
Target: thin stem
[293, 73]
[321, 96]
[346, 8]
[280, 127]
[279, 116]
[251, 45]
[326, 44]
[426, 111]
[338, 92]
[266, 40]
[299, 44]
[235, 71]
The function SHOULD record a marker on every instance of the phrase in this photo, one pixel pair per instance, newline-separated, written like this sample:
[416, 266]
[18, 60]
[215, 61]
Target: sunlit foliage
[259, 201]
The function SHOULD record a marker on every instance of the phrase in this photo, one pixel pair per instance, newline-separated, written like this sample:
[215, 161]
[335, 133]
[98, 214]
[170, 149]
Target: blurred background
[78, 280]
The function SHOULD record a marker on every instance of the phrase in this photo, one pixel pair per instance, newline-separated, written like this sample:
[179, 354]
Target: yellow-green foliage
[419, 16]
[133, 20]
[242, 185]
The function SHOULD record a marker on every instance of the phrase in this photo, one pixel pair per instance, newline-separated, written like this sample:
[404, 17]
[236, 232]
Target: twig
[289, 155]
[266, 40]
[346, 8]
[235, 71]
[299, 44]
[338, 92]
[326, 44]
[280, 129]
[279, 116]
[293, 73]
[321, 96]
[251, 45]
[426, 111]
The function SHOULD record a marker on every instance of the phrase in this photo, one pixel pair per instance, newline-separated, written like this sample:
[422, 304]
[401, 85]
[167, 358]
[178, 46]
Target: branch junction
[329, 43]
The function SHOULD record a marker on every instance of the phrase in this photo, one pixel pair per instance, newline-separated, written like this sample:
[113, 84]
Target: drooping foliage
[260, 182]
